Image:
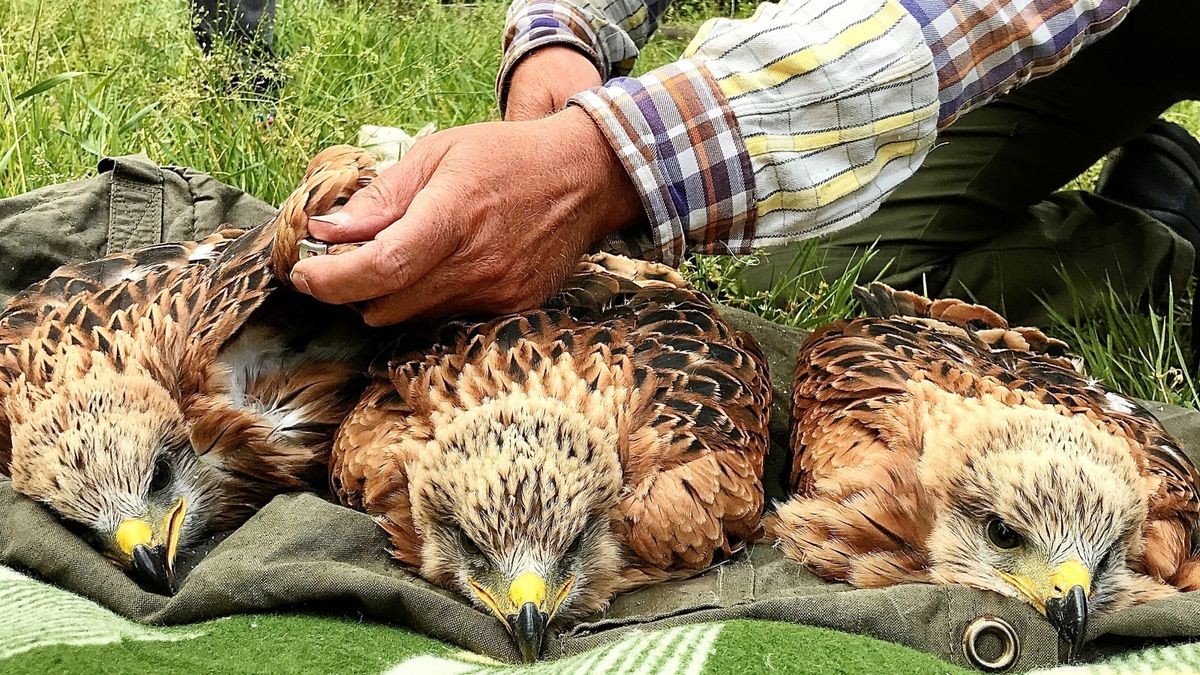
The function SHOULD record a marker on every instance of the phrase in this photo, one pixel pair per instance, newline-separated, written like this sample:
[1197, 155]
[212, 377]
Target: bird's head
[1037, 506]
[514, 511]
[108, 451]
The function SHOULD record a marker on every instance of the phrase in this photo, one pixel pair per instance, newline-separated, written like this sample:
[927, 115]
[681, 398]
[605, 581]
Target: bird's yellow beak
[528, 626]
[526, 609]
[151, 553]
[1062, 597]
[132, 534]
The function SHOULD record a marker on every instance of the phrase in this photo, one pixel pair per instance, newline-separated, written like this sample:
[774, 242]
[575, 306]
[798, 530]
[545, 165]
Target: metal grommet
[311, 247]
[1006, 647]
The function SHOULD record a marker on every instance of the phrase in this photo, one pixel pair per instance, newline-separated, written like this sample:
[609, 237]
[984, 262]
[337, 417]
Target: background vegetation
[83, 80]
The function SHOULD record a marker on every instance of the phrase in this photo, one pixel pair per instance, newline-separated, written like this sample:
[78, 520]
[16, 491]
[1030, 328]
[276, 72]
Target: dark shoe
[1159, 173]
[264, 80]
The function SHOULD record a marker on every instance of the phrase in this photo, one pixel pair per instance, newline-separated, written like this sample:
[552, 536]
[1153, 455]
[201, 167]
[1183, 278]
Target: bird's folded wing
[697, 438]
[84, 303]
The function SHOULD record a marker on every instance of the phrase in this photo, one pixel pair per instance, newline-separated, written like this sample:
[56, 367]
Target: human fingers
[398, 257]
[375, 207]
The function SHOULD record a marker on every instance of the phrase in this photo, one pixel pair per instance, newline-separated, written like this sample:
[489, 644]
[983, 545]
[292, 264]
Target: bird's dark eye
[468, 544]
[1002, 535]
[162, 476]
[576, 545]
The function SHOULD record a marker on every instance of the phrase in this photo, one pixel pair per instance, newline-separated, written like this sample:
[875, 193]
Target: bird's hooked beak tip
[1069, 616]
[528, 628]
[152, 567]
[1067, 605]
[526, 610]
[152, 555]
[1062, 596]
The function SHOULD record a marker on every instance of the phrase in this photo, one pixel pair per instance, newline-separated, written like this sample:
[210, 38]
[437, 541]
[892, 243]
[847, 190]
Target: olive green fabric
[302, 552]
[980, 218]
[131, 202]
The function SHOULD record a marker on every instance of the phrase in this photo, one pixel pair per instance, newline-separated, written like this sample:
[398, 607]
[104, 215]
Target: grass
[135, 82]
[83, 80]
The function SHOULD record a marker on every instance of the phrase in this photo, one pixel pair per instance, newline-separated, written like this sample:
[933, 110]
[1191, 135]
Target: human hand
[489, 217]
[545, 78]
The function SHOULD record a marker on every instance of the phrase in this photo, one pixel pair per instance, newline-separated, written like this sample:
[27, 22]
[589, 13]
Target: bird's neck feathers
[948, 430]
[524, 448]
[153, 345]
[73, 374]
[591, 388]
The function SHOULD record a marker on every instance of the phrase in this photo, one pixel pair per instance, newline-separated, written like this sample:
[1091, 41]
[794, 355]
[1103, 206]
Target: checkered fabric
[816, 109]
[609, 32]
[677, 138]
[799, 120]
[984, 48]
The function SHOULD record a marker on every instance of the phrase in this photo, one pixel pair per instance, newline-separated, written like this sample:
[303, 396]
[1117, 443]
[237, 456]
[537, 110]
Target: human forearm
[799, 121]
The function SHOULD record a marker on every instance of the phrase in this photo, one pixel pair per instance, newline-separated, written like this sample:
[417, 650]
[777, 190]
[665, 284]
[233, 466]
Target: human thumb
[373, 208]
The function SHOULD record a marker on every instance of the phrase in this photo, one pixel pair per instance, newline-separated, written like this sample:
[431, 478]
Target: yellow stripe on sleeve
[810, 58]
[701, 36]
[817, 140]
[707, 27]
[636, 19]
[839, 186]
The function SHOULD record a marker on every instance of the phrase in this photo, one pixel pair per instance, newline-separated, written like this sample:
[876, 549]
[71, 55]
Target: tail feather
[332, 177]
[883, 301]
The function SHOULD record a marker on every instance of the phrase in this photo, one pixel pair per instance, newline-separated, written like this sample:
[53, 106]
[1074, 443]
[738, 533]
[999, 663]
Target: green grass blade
[8, 155]
[48, 84]
[133, 120]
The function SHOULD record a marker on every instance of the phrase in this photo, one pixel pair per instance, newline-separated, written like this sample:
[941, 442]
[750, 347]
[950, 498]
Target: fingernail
[301, 283]
[335, 218]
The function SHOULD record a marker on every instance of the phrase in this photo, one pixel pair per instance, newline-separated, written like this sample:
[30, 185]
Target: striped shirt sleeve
[798, 121]
[609, 32]
[984, 48]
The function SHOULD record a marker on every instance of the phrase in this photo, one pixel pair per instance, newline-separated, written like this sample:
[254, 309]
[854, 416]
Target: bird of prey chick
[541, 462]
[932, 443]
[151, 397]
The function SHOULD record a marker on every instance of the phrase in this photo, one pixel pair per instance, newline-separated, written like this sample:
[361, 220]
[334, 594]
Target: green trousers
[982, 219]
[248, 23]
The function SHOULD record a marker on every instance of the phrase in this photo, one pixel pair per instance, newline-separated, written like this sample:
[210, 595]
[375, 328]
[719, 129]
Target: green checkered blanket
[45, 629]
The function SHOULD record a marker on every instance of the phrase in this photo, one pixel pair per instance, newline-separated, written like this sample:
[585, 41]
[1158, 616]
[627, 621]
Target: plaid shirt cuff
[676, 136]
[537, 24]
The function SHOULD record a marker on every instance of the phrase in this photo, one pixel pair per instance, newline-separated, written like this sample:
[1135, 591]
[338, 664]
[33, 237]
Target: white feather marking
[135, 274]
[261, 351]
[203, 252]
[1117, 403]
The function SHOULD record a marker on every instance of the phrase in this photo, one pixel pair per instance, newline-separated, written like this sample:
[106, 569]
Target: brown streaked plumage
[933, 443]
[152, 396]
[540, 463]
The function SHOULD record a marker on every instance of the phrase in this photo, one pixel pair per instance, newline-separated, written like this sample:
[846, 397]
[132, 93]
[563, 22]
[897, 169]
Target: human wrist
[612, 201]
[541, 81]
[553, 57]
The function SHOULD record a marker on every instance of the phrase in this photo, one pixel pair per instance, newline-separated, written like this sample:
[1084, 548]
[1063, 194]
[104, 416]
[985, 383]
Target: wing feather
[851, 374]
[695, 426]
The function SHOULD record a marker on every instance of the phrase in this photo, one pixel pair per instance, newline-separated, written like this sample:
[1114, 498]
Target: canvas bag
[303, 553]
